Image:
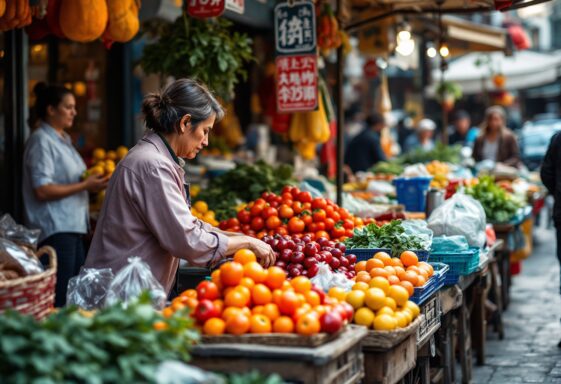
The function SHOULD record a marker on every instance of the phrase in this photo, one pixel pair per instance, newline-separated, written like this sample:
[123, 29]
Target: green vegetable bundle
[388, 168]
[499, 206]
[116, 345]
[242, 184]
[441, 152]
[391, 236]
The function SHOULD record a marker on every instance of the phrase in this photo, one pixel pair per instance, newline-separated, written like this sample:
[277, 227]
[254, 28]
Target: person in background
[551, 178]
[404, 130]
[422, 138]
[365, 149]
[462, 131]
[496, 142]
[54, 195]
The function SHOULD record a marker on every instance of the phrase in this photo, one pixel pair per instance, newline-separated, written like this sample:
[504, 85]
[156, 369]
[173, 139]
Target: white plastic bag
[89, 289]
[176, 372]
[460, 215]
[326, 278]
[131, 281]
[420, 231]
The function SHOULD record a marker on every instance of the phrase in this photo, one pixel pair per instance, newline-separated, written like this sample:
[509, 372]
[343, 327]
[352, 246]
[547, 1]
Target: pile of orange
[246, 298]
[380, 295]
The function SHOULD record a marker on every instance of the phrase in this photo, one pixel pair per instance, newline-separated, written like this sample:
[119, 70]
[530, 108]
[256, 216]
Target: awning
[525, 69]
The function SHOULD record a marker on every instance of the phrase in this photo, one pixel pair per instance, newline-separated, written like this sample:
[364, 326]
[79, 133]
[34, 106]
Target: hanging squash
[15, 14]
[123, 20]
[2, 7]
[83, 20]
[53, 12]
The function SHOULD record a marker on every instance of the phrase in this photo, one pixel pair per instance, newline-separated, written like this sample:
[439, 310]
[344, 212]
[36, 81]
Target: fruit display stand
[338, 361]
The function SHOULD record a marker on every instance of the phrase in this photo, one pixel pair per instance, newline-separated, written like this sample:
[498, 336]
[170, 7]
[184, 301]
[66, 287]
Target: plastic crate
[430, 321]
[411, 192]
[422, 294]
[368, 253]
[461, 263]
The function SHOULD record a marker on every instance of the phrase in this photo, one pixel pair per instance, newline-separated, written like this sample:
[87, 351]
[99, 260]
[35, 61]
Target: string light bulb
[431, 52]
[444, 51]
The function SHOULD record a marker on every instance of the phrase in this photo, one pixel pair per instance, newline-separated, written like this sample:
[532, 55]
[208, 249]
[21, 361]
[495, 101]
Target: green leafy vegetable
[388, 168]
[499, 206]
[441, 152]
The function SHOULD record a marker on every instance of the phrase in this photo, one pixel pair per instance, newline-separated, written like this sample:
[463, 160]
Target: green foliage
[449, 89]
[242, 184]
[388, 168]
[210, 51]
[391, 236]
[499, 206]
[441, 152]
[116, 345]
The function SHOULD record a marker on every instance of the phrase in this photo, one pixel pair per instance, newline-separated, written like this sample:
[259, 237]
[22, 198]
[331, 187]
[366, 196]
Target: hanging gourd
[123, 20]
[15, 14]
[2, 7]
[83, 20]
[53, 13]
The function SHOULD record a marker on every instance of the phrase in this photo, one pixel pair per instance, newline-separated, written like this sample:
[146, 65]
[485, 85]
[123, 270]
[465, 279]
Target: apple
[205, 310]
[352, 258]
[335, 263]
[286, 255]
[327, 257]
[310, 250]
[290, 245]
[281, 245]
[299, 248]
[336, 252]
[305, 273]
[299, 267]
[348, 309]
[294, 272]
[331, 322]
[312, 271]
[280, 264]
[344, 261]
[306, 239]
[319, 291]
[309, 261]
[331, 244]
[341, 247]
[297, 257]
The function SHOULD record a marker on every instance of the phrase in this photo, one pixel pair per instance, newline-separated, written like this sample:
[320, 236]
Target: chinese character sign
[205, 8]
[297, 83]
[295, 28]
[236, 6]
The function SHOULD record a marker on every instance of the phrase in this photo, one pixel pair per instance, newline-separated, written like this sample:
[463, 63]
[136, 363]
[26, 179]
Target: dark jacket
[364, 151]
[551, 174]
[508, 152]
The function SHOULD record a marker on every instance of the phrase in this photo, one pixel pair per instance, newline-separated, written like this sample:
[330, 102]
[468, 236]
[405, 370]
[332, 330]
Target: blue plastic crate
[461, 263]
[411, 192]
[422, 294]
[363, 254]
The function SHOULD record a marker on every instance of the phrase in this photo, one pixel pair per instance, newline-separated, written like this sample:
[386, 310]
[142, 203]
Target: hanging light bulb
[403, 36]
[444, 51]
[431, 52]
[405, 48]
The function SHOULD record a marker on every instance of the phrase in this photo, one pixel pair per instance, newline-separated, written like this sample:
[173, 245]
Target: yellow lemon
[111, 155]
[385, 322]
[375, 298]
[414, 308]
[364, 316]
[98, 154]
[201, 206]
[337, 293]
[122, 151]
[360, 286]
[356, 299]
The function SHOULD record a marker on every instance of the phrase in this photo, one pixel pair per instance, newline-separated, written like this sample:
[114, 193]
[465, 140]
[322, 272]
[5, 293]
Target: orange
[375, 298]
[214, 326]
[238, 324]
[360, 266]
[337, 293]
[299, 313]
[160, 325]
[379, 272]
[374, 263]
[390, 303]
[361, 286]
[401, 319]
[255, 271]
[320, 310]
[391, 270]
[409, 258]
[191, 292]
[393, 280]
[244, 256]
[271, 311]
[308, 325]
[356, 299]
[364, 316]
[277, 294]
[286, 286]
[177, 305]
[414, 308]
[167, 312]
[246, 312]
[408, 286]
[230, 311]
[245, 291]
[362, 277]
[395, 262]
[312, 298]
[424, 273]
[260, 324]
[247, 282]
[289, 302]
[191, 303]
[219, 304]
[384, 258]
[411, 277]
[427, 267]
[283, 324]
[235, 298]
[231, 274]
[301, 284]
[261, 295]
[257, 310]
[301, 299]
[380, 282]
[414, 268]
[421, 280]
[275, 277]
[399, 294]
[385, 322]
[408, 314]
[399, 271]
[385, 310]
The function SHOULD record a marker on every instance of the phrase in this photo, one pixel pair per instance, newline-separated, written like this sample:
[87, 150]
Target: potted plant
[447, 93]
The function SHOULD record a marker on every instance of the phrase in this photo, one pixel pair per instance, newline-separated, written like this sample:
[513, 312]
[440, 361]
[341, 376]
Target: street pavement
[529, 352]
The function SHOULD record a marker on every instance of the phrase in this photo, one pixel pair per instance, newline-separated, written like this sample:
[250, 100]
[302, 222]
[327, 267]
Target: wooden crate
[430, 322]
[337, 362]
[390, 366]
[384, 340]
[276, 339]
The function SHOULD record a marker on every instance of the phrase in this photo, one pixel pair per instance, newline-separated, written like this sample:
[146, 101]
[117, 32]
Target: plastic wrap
[131, 281]
[176, 372]
[17, 261]
[19, 234]
[460, 215]
[89, 289]
[442, 244]
[419, 230]
[326, 278]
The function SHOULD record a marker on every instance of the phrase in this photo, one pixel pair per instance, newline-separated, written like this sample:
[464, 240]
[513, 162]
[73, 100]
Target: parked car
[534, 139]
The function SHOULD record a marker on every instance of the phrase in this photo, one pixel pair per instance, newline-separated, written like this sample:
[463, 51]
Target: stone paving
[529, 352]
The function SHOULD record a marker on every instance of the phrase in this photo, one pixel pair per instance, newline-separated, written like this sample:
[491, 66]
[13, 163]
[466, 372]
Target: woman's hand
[263, 251]
[96, 183]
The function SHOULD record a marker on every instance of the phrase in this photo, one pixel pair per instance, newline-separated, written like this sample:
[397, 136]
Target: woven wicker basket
[32, 295]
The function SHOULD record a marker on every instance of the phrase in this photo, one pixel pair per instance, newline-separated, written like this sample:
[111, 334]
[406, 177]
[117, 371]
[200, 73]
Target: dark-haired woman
[55, 198]
[146, 209]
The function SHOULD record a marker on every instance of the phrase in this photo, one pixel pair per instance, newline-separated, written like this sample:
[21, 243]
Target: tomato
[337, 232]
[307, 207]
[320, 226]
[319, 203]
[296, 225]
[273, 222]
[223, 225]
[257, 223]
[260, 202]
[305, 197]
[319, 215]
[251, 233]
[344, 213]
[244, 216]
[348, 224]
[308, 325]
[268, 212]
[349, 233]
[286, 196]
[256, 210]
[335, 216]
[207, 290]
[286, 189]
[306, 218]
[282, 231]
[261, 235]
[312, 227]
[205, 310]
[274, 204]
[322, 234]
[267, 196]
[285, 211]
[297, 207]
[246, 227]
[295, 191]
[329, 224]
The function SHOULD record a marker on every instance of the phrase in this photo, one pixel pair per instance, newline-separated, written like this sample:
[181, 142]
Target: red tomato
[267, 196]
[329, 224]
[335, 216]
[256, 210]
[305, 197]
[244, 216]
[268, 212]
[234, 229]
[273, 222]
[344, 213]
[205, 310]
[260, 202]
[286, 189]
[349, 233]
[319, 203]
[295, 191]
[245, 228]
[286, 196]
[286, 212]
[282, 231]
[348, 224]
[233, 223]
[319, 215]
[306, 218]
[297, 207]
[207, 290]
[307, 207]
[296, 225]
[257, 223]
[312, 227]
[337, 232]
[321, 226]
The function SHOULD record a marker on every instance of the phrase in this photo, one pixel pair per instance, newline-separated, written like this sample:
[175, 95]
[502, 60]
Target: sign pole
[340, 115]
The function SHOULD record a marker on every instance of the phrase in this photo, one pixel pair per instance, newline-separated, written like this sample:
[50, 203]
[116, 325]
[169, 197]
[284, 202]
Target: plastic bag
[176, 372]
[419, 230]
[415, 170]
[89, 289]
[19, 234]
[17, 261]
[326, 278]
[449, 244]
[460, 215]
[131, 281]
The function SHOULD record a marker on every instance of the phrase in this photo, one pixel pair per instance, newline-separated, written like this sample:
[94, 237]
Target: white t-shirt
[490, 150]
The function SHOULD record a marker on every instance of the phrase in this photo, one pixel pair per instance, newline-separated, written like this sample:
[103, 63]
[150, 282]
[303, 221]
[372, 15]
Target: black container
[190, 277]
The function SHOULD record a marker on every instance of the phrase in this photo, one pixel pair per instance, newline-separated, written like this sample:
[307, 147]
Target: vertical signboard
[203, 9]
